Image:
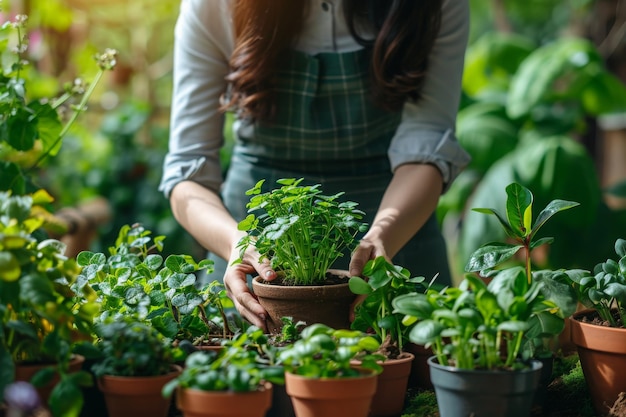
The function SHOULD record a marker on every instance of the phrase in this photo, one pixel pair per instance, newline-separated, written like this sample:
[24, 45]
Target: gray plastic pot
[478, 393]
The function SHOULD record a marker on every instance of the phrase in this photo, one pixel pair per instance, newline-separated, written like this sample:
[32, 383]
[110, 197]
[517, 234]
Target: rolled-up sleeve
[426, 131]
[203, 41]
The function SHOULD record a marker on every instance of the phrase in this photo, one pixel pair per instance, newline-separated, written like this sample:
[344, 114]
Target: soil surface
[592, 317]
[330, 279]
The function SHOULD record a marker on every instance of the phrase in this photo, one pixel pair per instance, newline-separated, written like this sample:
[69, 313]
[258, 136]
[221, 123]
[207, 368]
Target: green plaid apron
[330, 133]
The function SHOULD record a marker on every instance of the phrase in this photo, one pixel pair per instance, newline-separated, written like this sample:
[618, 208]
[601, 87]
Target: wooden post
[613, 155]
[82, 224]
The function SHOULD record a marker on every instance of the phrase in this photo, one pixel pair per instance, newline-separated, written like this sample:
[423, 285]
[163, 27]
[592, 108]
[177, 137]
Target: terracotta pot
[24, 372]
[602, 353]
[391, 388]
[197, 403]
[420, 372]
[345, 397]
[481, 393]
[136, 396]
[327, 304]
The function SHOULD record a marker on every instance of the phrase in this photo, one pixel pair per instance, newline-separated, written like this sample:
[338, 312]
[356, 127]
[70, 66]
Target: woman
[359, 96]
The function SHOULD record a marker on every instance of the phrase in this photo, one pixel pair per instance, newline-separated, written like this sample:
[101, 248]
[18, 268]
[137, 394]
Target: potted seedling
[498, 321]
[320, 374]
[235, 381]
[599, 331]
[302, 232]
[477, 334]
[134, 364]
[381, 283]
[136, 280]
[522, 236]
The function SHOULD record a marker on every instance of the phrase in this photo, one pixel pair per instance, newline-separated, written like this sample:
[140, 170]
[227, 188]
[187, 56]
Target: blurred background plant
[543, 105]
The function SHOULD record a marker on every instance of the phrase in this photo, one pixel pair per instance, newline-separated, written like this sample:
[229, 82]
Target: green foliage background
[519, 122]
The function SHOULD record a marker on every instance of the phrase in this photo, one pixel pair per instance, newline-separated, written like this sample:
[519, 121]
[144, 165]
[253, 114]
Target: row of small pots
[373, 395]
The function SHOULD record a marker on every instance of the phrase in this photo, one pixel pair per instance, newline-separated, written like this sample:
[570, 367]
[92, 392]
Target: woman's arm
[200, 211]
[424, 154]
[192, 174]
[202, 46]
[409, 201]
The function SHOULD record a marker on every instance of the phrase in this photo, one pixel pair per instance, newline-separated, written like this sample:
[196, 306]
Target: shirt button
[325, 6]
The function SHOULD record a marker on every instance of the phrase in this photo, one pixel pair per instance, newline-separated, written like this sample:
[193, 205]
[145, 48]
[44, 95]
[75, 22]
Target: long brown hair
[264, 29]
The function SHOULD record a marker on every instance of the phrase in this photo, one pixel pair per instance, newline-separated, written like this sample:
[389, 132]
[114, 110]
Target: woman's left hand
[366, 250]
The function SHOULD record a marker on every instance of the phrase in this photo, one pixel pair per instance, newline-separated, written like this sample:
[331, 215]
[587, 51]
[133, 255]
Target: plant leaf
[519, 204]
[513, 326]
[620, 248]
[10, 269]
[550, 210]
[425, 332]
[20, 131]
[503, 221]
[66, 399]
[542, 241]
[490, 255]
[359, 286]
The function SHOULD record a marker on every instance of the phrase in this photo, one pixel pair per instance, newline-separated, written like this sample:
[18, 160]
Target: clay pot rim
[576, 318]
[364, 374]
[75, 359]
[342, 273]
[174, 369]
[265, 386]
[404, 356]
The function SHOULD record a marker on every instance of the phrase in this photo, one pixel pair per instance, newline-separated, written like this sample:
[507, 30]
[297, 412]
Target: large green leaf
[545, 324]
[555, 167]
[561, 294]
[359, 286]
[10, 269]
[49, 127]
[487, 138]
[12, 178]
[550, 210]
[415, 304]
[493, 59]
[66, 398]
[502, 219]
[605, 93]
[490, 255]
[519, 205]
[425, 332]
[555, 69]
[37, 289]
[19, 131]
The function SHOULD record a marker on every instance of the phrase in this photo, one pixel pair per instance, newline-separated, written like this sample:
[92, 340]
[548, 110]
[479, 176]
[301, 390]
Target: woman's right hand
[235, 281]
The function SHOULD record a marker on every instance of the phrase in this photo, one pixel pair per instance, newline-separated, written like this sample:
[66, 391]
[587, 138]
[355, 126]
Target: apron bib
[328, 132]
